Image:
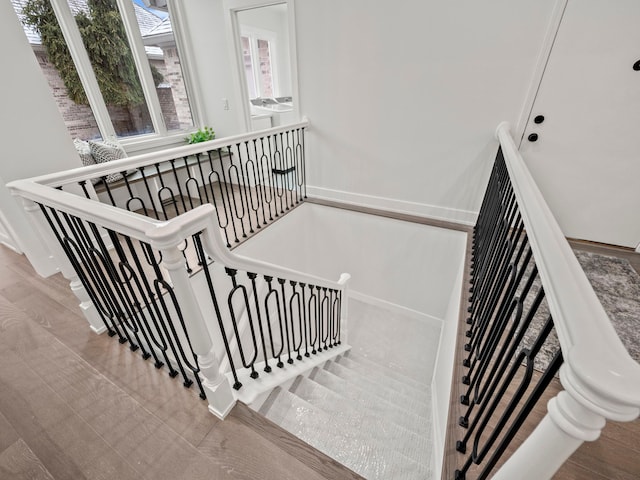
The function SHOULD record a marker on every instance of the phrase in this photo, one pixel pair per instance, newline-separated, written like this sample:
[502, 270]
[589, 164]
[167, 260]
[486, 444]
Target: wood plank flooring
[75, 405]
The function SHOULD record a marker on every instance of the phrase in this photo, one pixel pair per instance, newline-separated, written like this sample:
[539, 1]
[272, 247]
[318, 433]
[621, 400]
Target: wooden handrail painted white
[147, 159]
[163, 234]
[600, 379]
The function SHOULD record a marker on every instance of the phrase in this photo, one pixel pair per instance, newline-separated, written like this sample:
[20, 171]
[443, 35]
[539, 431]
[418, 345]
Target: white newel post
[87, 307]
[344, 308]
[572, 419]
[216, 386]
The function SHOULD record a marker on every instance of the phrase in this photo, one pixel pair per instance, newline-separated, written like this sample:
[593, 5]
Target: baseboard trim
[460, 218]
[438, 435]
[394, 307]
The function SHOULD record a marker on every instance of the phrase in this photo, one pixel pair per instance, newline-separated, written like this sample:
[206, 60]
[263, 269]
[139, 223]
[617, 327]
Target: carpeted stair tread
[372, 403]
[372, 369]
[369, 423]
[365, 360]
[369, 456]
[410, 399]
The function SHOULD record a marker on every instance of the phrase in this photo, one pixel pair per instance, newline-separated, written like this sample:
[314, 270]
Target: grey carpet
[617, 286]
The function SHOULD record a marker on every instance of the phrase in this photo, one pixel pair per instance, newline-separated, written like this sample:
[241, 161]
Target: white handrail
[601, 371]
[162, 234]
[146, 159]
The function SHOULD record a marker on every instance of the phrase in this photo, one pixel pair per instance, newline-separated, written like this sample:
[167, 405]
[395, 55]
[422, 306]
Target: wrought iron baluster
[234, 321]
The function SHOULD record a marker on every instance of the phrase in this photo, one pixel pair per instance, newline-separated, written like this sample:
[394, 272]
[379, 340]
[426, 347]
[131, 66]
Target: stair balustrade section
[233, 330]
[533, 316]
[251, 179]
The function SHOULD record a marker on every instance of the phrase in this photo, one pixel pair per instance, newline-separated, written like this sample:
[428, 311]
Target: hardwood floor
[80, 406]
[75, 405]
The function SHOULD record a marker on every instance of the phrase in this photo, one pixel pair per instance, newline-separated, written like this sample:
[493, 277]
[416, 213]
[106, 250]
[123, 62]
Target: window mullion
[186, 54]
[82, 63]
[142, 65]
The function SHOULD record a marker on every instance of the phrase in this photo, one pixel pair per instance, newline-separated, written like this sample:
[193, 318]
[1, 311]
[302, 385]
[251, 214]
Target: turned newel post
[576, 415]
[63, 261]
[215, 384]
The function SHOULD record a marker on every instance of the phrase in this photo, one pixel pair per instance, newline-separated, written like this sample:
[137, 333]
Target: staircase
[368, 409]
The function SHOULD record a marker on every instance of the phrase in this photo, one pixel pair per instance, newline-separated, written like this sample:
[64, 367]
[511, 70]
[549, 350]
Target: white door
[586, 159]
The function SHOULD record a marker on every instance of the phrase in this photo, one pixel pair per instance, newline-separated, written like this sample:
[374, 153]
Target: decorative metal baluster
[244, 189]
[312, 307]
[144, 290]
[306, 319]
[527, 356]
[97, 276]
[259, 180]
[190, 179]
[478, 330]
[212, 295]
[289, 168]
[294, 301]
[273, 293]
[239, 215]
[252, 277]
[265, 163]
[62, 238]
[255, 190]
[276, 164]
[282, 281]
[299, 162]
[175, 343]
[171, 200]
[324, 317]
[145, 180]
[320, 317]
[234, 321]
[230, 196]
[335, 319]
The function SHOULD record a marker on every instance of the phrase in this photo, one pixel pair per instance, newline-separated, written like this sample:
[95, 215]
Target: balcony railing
[236, 328]
[532, 315]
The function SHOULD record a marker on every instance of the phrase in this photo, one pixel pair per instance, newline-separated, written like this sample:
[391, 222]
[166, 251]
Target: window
[258, 50]
[113, 67]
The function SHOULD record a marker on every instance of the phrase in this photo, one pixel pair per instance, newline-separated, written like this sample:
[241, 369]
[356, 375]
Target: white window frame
[161, 136]
[255, 34]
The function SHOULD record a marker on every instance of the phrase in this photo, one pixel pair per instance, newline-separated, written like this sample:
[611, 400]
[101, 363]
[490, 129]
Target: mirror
[263, 38]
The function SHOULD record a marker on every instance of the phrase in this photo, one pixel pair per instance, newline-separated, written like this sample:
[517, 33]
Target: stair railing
[129, 273]
[252, 180]
[532, 314]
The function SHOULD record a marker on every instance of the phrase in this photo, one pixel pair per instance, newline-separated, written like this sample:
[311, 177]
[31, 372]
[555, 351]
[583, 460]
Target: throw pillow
[105, 152]
[84, 152]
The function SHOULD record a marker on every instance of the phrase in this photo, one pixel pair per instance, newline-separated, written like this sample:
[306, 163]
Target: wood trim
[453, 431]
[303, 452]
[405, 217]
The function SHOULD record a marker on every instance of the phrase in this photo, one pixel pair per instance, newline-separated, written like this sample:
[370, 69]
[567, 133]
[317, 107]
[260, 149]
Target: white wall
[34, 138]
[404, 97]
[207, 37]
[410, 265]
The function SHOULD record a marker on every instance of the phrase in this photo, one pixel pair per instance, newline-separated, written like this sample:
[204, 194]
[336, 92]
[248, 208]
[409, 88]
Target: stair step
[415, 401]
[351, 417]
[386, 370]
[353, 446]
[373, 404]
[372, 373]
